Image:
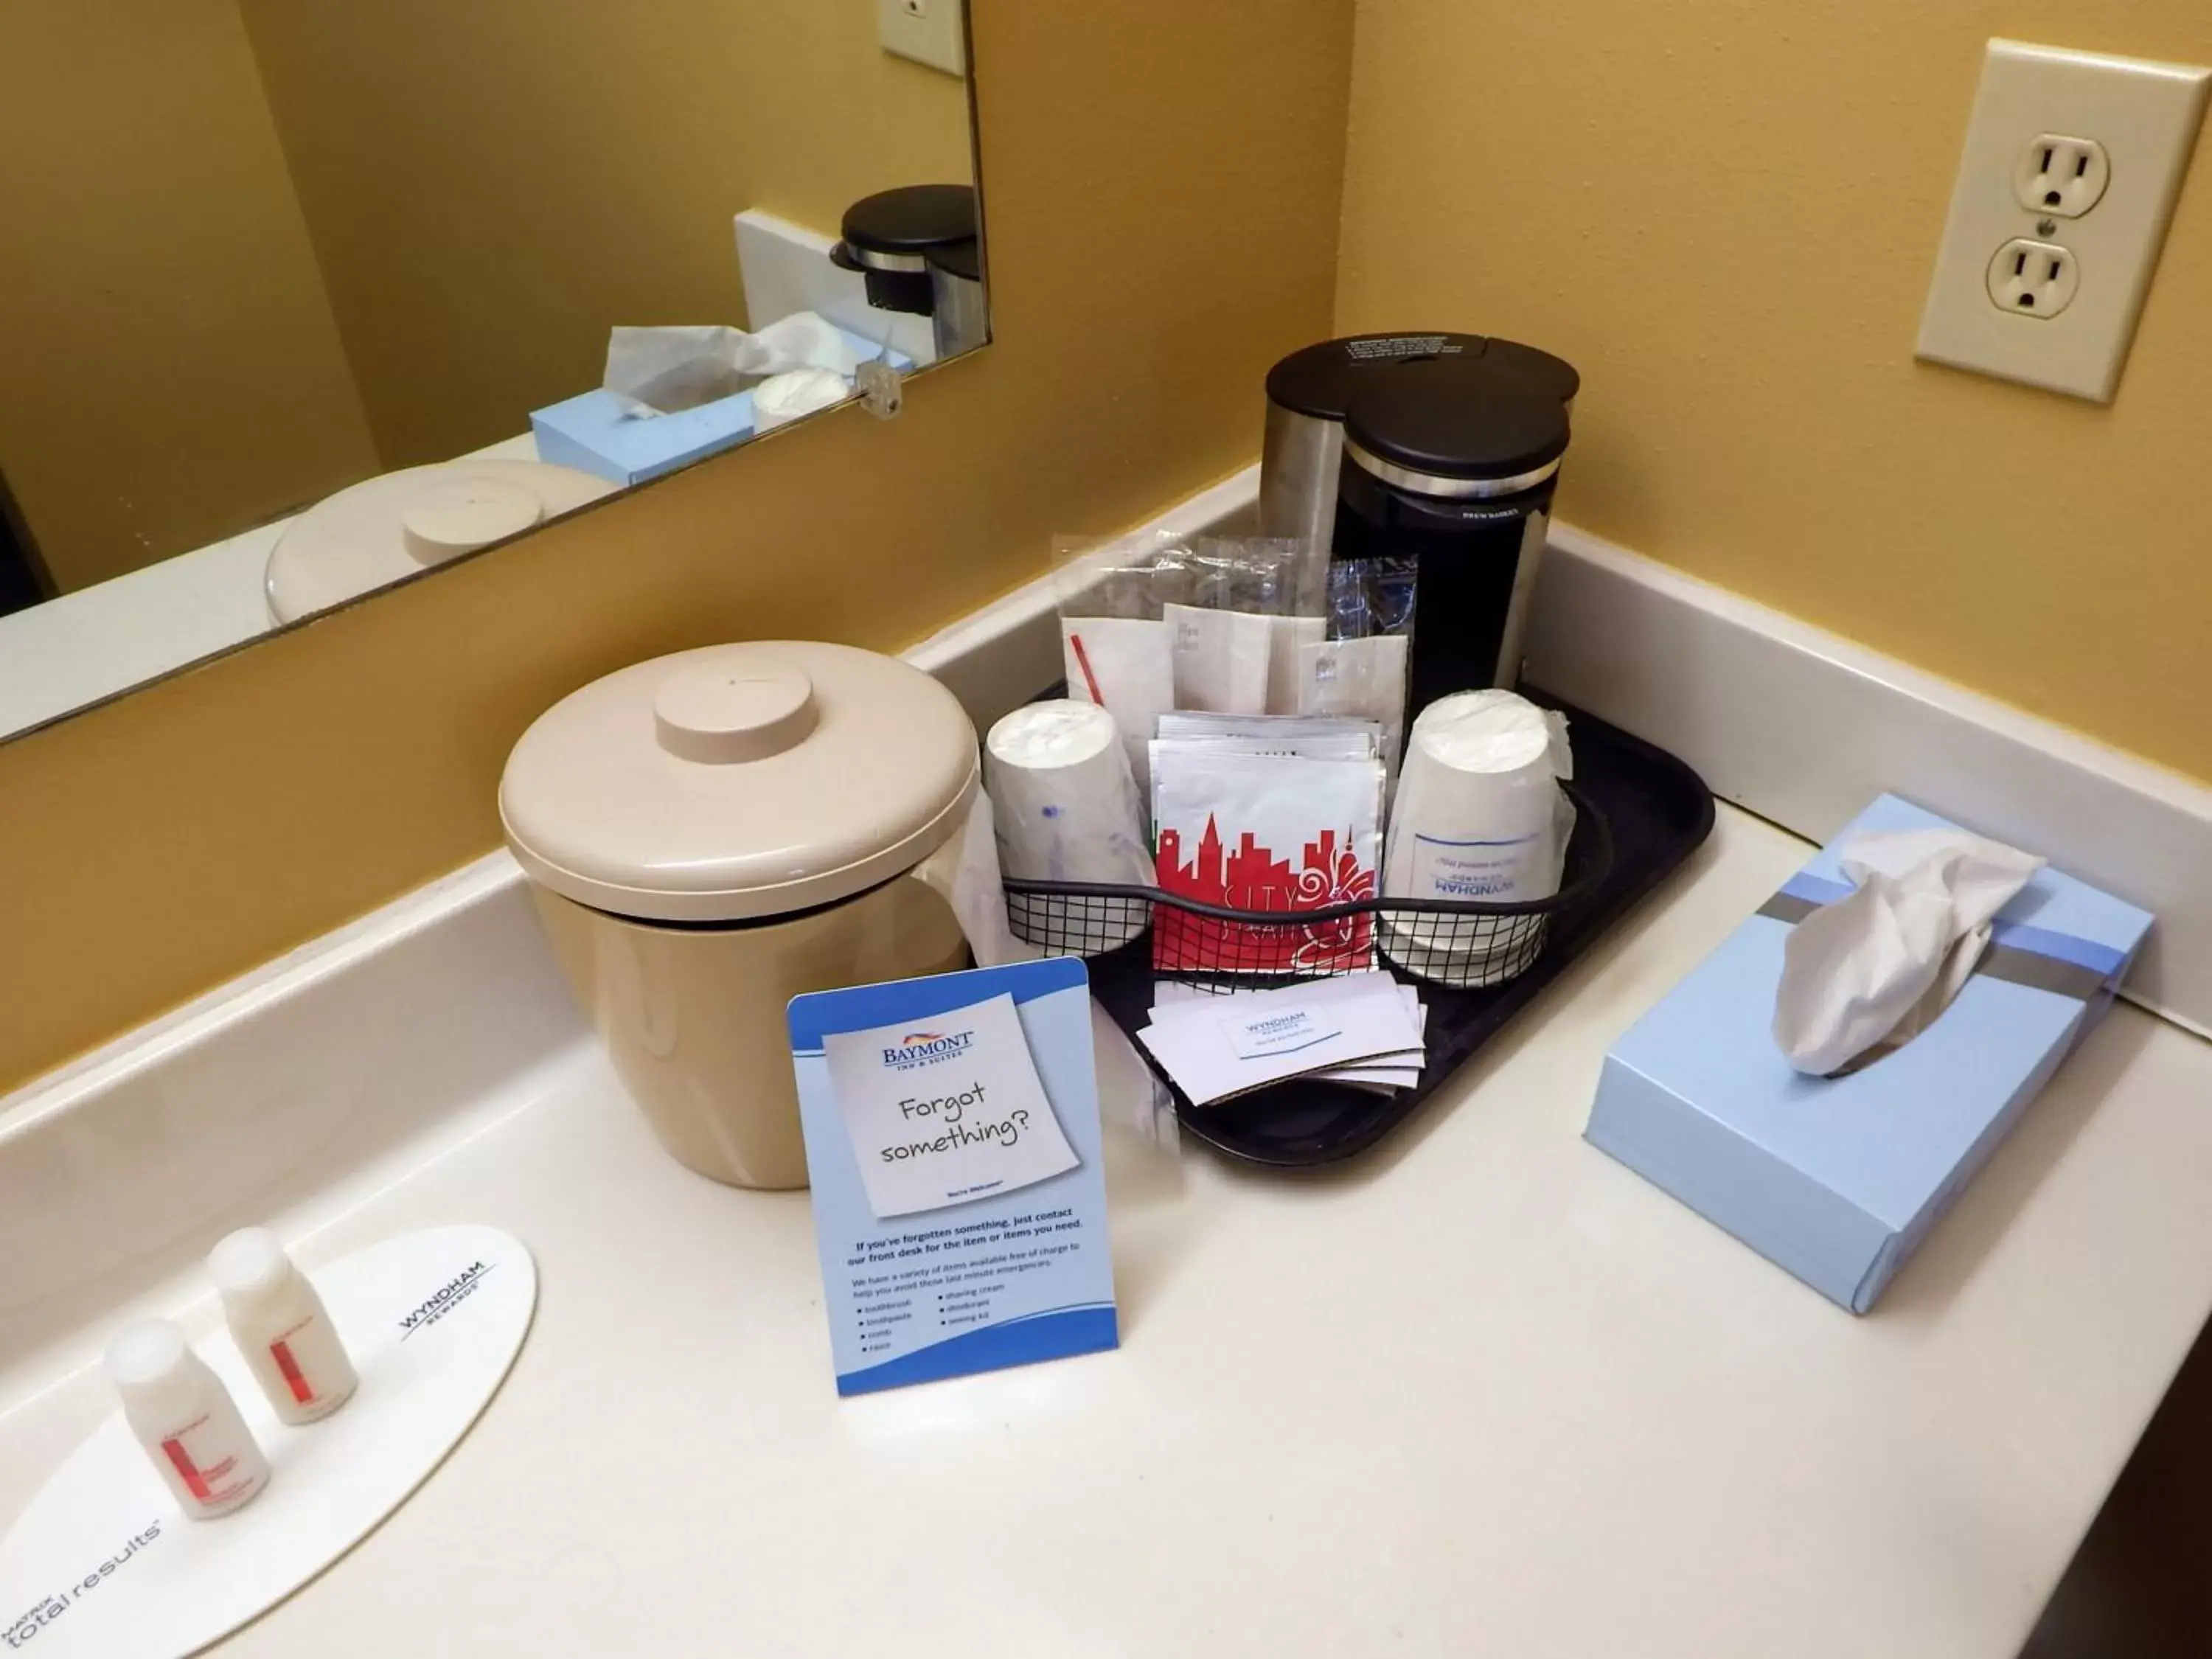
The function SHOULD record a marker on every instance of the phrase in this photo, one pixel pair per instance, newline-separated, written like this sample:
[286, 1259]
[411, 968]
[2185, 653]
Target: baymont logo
[919, 1048]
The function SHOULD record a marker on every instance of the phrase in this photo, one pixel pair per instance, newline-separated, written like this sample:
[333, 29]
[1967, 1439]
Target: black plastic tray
[1660, 811]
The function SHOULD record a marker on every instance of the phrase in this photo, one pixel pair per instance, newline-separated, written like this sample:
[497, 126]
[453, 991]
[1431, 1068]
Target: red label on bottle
[281, 1353]
[195, 1483]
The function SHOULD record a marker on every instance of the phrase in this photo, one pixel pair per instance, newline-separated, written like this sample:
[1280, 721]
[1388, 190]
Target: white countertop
[1486, 1392]
[68, 652]
[71, 651]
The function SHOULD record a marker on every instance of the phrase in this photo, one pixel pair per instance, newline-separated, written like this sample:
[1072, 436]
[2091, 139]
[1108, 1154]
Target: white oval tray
[103, 1563]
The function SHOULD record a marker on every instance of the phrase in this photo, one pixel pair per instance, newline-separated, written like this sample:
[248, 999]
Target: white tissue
[785, 397]
[1875, 967]
[802, 340]
[659, 371]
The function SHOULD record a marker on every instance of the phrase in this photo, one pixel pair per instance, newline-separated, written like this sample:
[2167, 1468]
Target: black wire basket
[1461, 943]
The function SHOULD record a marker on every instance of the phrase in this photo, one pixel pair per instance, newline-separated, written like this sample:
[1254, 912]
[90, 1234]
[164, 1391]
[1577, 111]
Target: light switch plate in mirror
[392, 284]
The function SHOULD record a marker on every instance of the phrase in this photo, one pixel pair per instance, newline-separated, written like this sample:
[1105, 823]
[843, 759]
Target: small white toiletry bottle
[186, 1419]
[281, 1327]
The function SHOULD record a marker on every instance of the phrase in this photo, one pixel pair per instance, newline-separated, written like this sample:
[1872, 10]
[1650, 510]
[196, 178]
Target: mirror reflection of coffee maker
[919, 250]
[1426, 464]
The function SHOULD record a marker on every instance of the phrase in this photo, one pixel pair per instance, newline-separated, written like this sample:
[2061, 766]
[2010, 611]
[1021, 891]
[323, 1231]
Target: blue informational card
[952, 1143]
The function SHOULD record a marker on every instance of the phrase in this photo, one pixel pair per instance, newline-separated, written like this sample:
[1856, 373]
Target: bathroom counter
[1485, 1391]
[95, 642]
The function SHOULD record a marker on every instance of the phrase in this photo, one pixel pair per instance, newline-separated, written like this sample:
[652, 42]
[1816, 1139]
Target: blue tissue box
[592, 433]
[1838, 1180]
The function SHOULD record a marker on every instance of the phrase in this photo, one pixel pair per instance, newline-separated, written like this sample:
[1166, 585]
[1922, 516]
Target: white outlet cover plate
[2146, 116]
[927, 31]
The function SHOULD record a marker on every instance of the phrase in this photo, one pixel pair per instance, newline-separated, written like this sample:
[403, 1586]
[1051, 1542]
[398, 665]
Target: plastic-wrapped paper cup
[1066, 809]
[1479, 816]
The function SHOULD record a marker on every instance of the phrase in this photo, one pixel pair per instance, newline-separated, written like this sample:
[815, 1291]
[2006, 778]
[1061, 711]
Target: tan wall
[154, 846]
[1752, 411]
[492, 184]
[169, 369]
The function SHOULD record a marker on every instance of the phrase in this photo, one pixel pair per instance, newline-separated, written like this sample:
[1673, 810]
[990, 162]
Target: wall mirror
[302, 298]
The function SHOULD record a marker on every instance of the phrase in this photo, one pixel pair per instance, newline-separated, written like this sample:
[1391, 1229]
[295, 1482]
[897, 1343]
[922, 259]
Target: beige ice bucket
[710, 834]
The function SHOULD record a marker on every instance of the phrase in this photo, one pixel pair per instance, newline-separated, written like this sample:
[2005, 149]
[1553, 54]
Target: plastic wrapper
[1140, 576]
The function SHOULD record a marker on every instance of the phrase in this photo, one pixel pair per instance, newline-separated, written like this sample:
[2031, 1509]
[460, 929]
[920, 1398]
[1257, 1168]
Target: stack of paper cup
[1066, 809]
[1480, 815]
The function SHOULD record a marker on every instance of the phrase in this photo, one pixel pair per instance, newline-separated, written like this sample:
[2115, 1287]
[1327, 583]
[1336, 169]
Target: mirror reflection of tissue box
[593, 432]
[1838, 1179]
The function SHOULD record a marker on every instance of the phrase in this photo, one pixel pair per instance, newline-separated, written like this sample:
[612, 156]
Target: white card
[1385, 1082]
[1213, 1054]
[1392, 1071]
[946, 1111]
[1173, 998]
[1264, 1035]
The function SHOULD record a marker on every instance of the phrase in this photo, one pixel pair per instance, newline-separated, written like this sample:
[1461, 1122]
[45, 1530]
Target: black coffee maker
[1445, 456]
[920, 250]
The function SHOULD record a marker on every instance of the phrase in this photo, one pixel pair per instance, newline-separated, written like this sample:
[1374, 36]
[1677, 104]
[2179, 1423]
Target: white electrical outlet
[2034, 279]
[928, 31]
[2060, 176]
[2109, 138]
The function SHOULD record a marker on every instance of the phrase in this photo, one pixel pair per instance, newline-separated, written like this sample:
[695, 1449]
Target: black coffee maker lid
[1559, 376]
[1318, 380]
[907, 223]
[960, 259]
[1489, 419]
